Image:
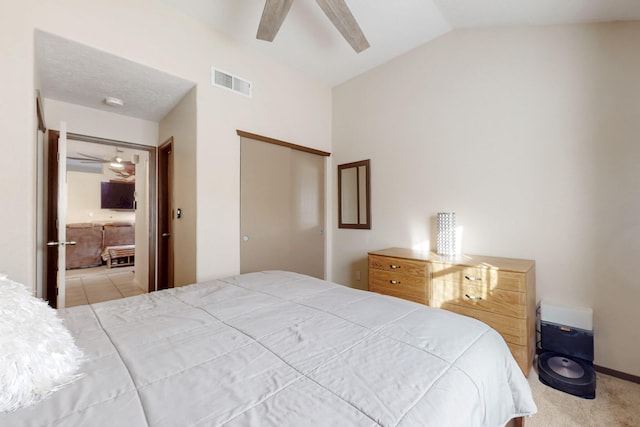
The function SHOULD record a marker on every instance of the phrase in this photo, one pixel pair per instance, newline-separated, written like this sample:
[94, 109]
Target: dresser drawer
[475, 295]
[486, 276]
[398, 265]
[512, 330]
[394, 283]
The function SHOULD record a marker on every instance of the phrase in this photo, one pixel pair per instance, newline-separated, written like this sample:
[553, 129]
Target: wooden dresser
[498, 291]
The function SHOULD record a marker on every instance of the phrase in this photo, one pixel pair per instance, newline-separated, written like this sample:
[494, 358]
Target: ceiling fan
[336, 10]
[116, 161]
[122, 168]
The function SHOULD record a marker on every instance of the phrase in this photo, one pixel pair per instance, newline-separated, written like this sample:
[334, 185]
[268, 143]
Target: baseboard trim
[617, 374]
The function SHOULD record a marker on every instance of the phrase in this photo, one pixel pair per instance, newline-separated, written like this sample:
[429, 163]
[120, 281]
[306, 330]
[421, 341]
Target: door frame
[50, 264]
[166, 273]
[51, 185]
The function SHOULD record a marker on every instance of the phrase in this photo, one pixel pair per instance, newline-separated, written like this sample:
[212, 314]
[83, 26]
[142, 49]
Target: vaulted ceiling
[309, 42]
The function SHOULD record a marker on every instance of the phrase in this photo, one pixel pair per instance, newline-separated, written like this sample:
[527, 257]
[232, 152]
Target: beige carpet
[617, 404]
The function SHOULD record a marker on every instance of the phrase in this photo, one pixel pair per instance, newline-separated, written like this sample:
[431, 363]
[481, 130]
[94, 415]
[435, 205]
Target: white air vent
[228, 81]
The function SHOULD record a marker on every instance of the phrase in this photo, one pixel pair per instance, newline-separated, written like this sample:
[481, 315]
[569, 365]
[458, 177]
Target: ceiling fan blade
[87, 159]
[95, 158]
[99, 160]
[272, 17]
[339, 14]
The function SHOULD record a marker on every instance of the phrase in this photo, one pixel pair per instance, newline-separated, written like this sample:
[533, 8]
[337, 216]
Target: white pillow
[37, 353]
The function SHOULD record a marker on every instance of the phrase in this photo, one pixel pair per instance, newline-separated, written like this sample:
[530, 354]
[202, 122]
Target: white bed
[281, 349]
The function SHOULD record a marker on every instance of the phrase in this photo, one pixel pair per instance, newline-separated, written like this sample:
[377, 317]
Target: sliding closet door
[281, 209]
[307, 205]
[264, 206]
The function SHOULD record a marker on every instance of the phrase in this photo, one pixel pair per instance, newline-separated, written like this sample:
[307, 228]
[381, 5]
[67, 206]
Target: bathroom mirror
[354, 194]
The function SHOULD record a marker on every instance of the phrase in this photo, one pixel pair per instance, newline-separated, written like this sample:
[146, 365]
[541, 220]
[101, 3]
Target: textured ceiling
[78, 74]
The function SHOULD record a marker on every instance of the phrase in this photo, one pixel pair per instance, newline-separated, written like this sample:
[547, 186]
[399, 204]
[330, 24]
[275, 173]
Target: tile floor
[91, 285]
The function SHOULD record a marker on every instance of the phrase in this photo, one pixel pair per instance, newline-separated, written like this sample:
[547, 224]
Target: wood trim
[281, 143]
[165, 246]
[51, 216]
[367, 224]
[617, 374]
[152, 182]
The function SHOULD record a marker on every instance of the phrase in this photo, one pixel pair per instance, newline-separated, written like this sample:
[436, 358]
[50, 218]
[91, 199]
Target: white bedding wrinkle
[282, 349]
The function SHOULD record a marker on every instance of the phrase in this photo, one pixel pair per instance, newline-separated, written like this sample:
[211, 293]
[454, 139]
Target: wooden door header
[282, 143]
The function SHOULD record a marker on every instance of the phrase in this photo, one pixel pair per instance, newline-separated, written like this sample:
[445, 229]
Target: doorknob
[166, 234]
[61, 244]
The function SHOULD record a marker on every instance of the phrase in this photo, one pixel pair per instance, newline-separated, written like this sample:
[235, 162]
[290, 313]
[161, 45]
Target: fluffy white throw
[37, 353]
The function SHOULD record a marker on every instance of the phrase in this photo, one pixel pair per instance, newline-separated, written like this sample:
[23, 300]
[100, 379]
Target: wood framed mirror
[354, 195]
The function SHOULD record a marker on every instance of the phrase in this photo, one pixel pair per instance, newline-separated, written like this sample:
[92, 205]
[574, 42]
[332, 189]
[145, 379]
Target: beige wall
[285, 105]
[102, 124]
[180, 124]
[83, 199]
[531, 136]
[17, 174]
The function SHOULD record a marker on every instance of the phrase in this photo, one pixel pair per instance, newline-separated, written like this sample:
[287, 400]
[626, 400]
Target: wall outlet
[357, 274]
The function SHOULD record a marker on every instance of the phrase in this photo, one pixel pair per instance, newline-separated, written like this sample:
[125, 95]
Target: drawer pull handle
[473, 278]
[395, 266]
[473, 298]
[394, 282]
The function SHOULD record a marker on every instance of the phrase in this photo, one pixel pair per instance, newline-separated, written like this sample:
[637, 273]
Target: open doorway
[110, 227]
[74, 79]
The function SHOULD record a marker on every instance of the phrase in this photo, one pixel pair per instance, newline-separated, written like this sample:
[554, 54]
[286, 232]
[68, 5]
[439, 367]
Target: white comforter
[282, 349]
